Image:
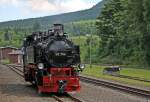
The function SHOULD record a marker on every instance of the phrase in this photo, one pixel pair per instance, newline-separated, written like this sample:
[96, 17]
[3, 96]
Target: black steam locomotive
[52, 61]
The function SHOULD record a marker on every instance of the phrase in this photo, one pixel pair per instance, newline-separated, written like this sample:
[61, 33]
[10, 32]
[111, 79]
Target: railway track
[67, 98]
[127, 89]
[17, 70]
[130, 77]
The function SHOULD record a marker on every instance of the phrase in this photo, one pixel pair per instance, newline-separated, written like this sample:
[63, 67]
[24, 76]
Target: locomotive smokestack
[59, 29]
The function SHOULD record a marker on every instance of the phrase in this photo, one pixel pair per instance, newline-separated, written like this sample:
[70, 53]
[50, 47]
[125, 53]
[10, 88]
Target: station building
[12, 54]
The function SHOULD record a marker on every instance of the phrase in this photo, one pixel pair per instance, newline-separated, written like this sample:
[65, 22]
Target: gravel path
[14, 89]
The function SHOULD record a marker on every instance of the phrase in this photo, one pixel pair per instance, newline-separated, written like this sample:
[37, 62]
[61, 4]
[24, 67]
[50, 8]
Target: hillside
[88, 14]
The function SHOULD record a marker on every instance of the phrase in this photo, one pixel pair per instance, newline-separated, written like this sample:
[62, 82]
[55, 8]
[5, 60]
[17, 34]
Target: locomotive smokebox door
[59, 29]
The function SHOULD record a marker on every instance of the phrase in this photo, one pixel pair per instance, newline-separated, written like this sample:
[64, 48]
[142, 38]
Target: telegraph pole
[90, 51]
[91, 46]
[1, 54]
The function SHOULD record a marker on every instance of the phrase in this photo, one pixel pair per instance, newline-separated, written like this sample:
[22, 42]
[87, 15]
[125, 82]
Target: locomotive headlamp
[81, 66]
[40, 65]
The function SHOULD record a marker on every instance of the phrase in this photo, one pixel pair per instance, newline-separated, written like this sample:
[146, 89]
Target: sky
[22, 9]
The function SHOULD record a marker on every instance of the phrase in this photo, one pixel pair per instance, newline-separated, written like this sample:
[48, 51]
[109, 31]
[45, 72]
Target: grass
[5, 61]
[142, 73]
[97, 71]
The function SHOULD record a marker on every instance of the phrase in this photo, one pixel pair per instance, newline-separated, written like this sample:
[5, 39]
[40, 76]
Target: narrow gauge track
[17, 70]
[131, 90]
[130, 77]
[68, 98]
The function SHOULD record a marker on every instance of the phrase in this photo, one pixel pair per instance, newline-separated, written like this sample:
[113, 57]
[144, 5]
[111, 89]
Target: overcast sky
[21, 9]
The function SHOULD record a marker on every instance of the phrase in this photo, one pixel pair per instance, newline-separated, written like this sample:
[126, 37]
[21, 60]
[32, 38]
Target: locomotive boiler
[52, 61]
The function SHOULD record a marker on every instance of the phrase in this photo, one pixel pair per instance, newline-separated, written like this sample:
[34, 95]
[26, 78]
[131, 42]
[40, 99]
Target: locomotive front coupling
[62, 85]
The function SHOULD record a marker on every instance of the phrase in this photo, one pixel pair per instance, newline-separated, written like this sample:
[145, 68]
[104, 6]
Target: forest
[124, 29]
[119, 35]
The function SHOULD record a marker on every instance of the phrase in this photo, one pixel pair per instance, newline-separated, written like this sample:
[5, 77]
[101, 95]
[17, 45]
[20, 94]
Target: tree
[36, 27]
[108, 25]
[7, 35]
[146, 31]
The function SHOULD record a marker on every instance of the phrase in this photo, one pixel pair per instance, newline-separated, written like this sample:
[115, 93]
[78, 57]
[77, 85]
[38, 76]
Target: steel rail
[130, 77]
[74, 99]
[128, 89]
[16, 70]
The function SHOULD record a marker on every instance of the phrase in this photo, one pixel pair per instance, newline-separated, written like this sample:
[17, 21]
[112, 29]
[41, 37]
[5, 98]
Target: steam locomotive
[51, 61]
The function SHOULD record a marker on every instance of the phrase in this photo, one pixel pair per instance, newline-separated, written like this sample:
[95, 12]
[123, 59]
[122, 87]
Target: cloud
[40, 5]
[47, 6]
[10, 2]
[57, 6]
[75, 5]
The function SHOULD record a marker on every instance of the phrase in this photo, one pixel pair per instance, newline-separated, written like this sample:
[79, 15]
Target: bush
[111, 60]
